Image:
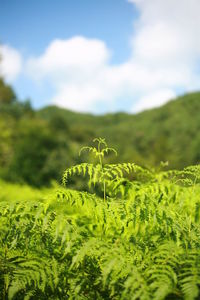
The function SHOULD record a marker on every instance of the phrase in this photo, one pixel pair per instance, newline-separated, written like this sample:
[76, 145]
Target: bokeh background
[71, 71]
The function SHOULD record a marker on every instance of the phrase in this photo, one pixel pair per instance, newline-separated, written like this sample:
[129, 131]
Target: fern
[105, 175]
[138, 239]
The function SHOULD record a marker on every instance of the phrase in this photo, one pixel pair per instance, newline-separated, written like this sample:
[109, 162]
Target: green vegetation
[119, 227]
[138, 239]
[37, 146]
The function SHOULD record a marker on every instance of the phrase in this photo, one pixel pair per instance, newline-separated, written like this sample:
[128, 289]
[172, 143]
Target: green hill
[169, 133]
[37, 146]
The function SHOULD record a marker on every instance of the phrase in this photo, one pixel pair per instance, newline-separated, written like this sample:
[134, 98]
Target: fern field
[136, 235]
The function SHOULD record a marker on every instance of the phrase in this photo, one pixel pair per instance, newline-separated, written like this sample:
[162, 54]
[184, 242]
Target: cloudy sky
[100, 56]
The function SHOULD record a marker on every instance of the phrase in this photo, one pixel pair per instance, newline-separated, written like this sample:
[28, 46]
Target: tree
[7, 95]
[32, 149]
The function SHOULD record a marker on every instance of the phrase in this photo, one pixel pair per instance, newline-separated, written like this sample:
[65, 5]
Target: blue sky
[31, 25]
[117, 54]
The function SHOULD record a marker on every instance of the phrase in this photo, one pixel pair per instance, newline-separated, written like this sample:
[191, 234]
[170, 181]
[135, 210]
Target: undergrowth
[139, 239]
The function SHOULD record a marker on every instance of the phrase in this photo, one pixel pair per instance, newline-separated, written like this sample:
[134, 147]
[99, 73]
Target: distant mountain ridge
[168, 133]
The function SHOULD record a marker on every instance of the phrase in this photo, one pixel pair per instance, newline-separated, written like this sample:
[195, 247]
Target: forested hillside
[36, 146]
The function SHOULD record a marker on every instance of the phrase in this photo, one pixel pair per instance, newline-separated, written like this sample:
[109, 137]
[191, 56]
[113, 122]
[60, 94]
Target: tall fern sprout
[97, 172]
[111, 177]
[99, 152]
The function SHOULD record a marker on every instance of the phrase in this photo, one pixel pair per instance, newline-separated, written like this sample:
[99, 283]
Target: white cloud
[165, 58]
[167, 31]
[83, 78]
[11, 62]
[155, 99]
[76, 68]
[72, 58]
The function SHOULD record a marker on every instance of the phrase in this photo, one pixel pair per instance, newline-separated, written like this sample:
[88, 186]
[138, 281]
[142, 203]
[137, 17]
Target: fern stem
[101, 164]
[104, 190]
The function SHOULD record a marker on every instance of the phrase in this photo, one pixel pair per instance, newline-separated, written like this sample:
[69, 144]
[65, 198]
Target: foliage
[169, 133]
[32, 152]
[109, 176]
[139, 240]
[7, 94]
